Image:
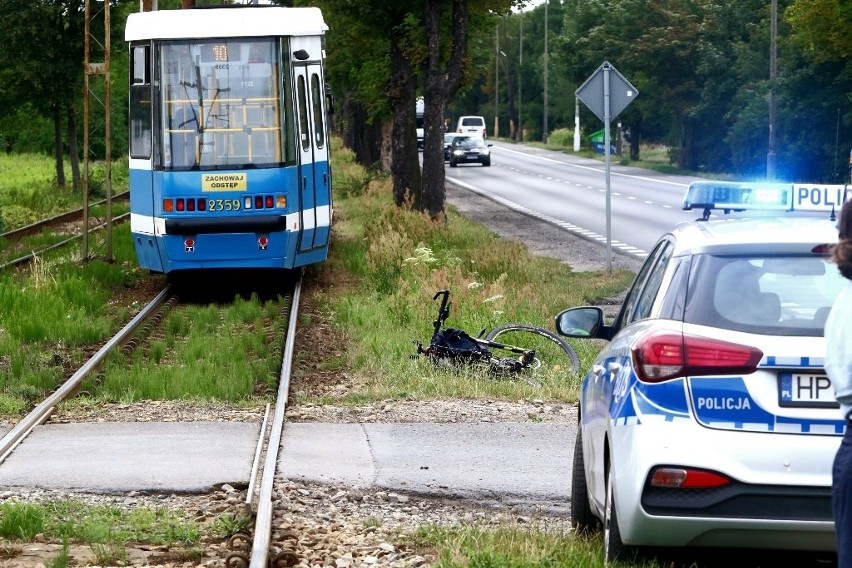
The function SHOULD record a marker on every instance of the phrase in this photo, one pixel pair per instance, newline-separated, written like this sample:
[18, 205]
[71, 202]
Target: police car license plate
[805, 389]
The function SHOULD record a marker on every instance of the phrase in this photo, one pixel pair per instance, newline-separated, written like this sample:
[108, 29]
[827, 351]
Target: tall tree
[43, 61]
[422, 48]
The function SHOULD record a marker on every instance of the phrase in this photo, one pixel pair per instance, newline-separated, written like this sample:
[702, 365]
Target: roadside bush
[561, 137]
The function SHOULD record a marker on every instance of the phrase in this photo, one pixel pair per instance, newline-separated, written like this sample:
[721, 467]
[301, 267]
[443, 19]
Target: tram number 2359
[216, 205]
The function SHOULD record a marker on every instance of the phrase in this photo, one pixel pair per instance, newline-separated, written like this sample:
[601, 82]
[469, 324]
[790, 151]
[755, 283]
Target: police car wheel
[582, 518]
[614, 549]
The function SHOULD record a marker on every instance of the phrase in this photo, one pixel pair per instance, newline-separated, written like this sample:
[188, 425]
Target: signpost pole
[606, 103]
[607, 119]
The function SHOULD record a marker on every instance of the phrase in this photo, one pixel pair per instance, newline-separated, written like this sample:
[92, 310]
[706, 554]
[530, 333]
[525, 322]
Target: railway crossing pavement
[507, 462]
[132, 456]
[512, 463]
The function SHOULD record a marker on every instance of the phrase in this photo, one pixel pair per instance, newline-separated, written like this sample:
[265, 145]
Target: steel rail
[33, 227]
[258, 451]
[41, 412]
[32, 255]
[263, 521]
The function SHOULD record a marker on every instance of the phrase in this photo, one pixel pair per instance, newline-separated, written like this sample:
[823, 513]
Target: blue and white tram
[229, 156]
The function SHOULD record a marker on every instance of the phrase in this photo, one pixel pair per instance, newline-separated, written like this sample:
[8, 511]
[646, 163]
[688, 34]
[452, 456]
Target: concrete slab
[511, 463]
[524, 464]
[143, 456]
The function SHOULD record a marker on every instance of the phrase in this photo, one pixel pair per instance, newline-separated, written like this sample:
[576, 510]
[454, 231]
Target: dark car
[466, 149]
[448, 141]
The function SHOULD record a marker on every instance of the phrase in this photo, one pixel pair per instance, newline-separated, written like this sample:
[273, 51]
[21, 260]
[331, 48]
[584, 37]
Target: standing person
[838, 365]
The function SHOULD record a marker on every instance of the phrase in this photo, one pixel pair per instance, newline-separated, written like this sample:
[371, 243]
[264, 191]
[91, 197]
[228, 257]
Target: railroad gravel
[330, 525]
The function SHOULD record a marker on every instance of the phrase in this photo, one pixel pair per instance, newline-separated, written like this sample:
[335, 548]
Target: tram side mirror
[329, 99]
[301, 54]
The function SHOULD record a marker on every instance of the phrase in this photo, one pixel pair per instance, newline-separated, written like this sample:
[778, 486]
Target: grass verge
[387, 263]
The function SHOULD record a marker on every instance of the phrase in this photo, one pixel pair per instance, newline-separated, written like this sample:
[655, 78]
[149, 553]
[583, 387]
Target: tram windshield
[221, 104]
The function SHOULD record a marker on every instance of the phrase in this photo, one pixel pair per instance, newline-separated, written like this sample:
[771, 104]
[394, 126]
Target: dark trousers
[841, 499]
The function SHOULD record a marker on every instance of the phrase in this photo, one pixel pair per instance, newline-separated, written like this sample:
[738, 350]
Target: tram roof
[241, 21]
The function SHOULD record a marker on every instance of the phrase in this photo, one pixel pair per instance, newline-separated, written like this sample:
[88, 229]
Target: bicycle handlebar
[443, 311]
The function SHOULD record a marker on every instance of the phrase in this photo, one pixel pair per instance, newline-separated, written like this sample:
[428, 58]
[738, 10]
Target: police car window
[772, 295]
[652, 286]
[625, 315]
[672, 303]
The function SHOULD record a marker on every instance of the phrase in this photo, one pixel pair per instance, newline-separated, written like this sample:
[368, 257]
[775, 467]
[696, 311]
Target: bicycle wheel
[552, 352]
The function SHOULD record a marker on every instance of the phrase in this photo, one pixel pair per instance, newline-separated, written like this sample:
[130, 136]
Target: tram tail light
[258, 202]
[270, 202]
[202, 205]
[180, 205]
[190, 205]
[281, 201]
[168, 205]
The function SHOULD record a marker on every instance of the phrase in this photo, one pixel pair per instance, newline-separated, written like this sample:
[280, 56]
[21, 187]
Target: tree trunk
[635, 135]
[363, 138]
[510, 81]
[439, 87]
[74, 155]
[405, 163]
[57, 147]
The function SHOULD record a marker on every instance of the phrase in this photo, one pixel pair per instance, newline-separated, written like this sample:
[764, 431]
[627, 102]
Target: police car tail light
[687, 478]
[662, 356]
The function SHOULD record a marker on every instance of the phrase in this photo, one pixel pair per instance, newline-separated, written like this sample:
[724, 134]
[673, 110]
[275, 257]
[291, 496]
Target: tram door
[313, 147]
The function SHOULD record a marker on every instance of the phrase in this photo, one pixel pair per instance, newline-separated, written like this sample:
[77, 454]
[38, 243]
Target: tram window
[316, 103]
[304, 133]
[140, 104]
[290, 147]
[221, 103]
[141, 71]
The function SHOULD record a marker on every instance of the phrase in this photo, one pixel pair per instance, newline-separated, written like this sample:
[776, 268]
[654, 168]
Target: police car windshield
[771, 295]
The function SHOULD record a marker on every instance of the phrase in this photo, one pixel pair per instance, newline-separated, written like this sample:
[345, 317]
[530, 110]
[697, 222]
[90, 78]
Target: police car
[707, 420]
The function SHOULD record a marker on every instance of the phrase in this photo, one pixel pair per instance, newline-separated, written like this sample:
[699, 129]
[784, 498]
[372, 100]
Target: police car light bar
[765, 196]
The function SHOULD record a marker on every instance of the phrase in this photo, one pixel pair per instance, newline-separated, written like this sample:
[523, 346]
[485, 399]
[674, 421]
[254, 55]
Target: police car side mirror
[583, 322]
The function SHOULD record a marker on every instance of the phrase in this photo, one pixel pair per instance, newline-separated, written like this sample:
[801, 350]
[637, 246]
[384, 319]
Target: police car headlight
[485, 152]
[458, 152]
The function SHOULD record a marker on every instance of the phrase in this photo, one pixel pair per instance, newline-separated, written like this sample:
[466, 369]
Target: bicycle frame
[496, 364]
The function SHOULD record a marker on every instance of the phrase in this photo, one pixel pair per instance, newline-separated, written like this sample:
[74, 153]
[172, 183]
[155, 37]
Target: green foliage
[350, 177]
[20, 520]
[62, 558]
[561, 137]
[543, 543]
[228, 525]
[220, 355]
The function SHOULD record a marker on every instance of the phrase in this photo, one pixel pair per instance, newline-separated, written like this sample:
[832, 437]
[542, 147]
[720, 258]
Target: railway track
[69, 223]
[75, 215]
[247, 550]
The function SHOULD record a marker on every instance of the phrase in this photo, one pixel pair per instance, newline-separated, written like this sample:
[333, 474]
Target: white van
[472, 126]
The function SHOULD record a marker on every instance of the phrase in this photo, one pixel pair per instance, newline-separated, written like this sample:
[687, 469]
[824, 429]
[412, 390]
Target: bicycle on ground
[520, 350]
